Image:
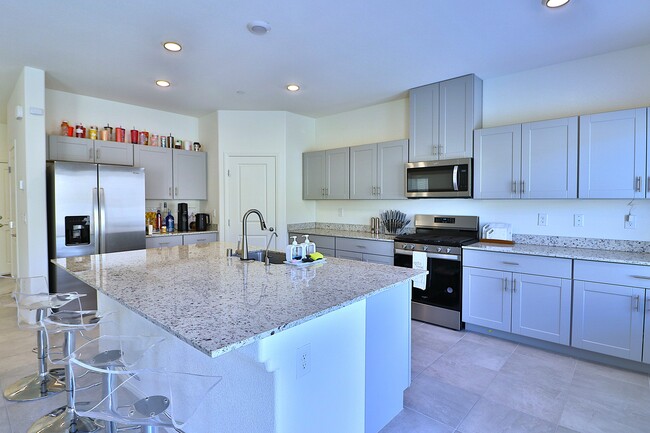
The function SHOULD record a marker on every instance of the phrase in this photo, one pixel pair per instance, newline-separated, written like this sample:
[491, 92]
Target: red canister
[119, 134]
[135, 136]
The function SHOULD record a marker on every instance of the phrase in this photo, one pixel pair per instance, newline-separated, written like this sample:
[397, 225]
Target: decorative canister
[163, 141]
[196, 146]
[153, 140]
[187, 145]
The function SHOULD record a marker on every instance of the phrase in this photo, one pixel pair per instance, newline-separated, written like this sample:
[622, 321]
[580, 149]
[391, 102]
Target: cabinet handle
[164, 243]
[511, 263]
[440, 150]
[176, 191]
[523, 186]
[514, 186]
[641, 277]
[638, 184]
[378, 190]
[374, 190]
[505, 284]
[647, 304]
[648, 183]
[361, 246]
[514, 285]
[97, 154]
[90, 154]
[327, 192]
[635, 302]
[170, 191]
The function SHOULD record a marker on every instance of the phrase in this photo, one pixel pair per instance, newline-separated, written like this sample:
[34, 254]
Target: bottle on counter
[308, 247]
[158, 223]
[64, 128]
[169, 222]
[294, 250]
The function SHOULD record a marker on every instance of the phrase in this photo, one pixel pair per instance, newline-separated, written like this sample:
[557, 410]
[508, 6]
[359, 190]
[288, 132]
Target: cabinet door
[313, 175]
[112, 152]
[424, 103]
[363, 172]
[608, 319]
[199, 238]
[190, 175]
[497, 162]
[646, 332]
[541, 307]
[486, 298]
[456, 117]
[337, 174]
[613, 154]
[549, 159]
[157, 164]
[62, 148]
[392, 157]
[164, 241]
[340, 254]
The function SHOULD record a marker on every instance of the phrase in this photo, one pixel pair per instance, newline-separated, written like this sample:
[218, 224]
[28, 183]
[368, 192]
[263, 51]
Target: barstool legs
[63, 419]
[38, 385]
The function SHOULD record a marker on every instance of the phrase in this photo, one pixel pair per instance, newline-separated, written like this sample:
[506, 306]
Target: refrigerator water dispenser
[77, 230]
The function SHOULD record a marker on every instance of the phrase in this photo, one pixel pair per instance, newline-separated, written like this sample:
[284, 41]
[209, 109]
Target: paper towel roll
[420, 262]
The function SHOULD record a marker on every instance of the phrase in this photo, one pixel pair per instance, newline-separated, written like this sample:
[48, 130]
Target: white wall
[99, 112]
[28, 134]
[3, 143]
[209, 138]
[301, 133]
[611, 81]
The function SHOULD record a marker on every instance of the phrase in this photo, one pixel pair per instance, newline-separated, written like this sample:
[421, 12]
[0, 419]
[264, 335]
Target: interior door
[5, 233]
[250, 183]
[12, 210]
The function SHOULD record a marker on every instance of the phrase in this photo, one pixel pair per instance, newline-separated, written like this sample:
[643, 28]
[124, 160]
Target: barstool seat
[33, 303]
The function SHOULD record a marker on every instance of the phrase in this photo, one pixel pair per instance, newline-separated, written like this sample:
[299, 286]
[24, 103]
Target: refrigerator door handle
[102, 221]
[96, 219]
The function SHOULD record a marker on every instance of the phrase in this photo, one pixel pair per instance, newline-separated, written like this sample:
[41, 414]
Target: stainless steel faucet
[244, 231]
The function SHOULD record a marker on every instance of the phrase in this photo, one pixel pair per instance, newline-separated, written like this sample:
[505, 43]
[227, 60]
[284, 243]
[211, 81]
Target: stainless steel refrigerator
[92, 208]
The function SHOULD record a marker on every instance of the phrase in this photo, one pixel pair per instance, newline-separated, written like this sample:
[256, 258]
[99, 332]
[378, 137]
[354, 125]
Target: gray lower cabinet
[609, 306]
[326, 245]
[199, 238]
[525, 295]
[366, 250]
[62, 148]
[377, 170]
[164, 241]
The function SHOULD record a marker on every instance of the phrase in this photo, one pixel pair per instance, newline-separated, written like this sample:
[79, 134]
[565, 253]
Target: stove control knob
[439, 249]
[412, 247]
[404, 246]
[425, 248]
[448, 250]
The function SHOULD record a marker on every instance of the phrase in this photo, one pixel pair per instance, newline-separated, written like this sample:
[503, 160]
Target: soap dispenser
[294, 251]
[308, 246]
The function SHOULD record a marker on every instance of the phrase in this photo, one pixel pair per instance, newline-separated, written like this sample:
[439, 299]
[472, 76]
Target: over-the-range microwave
[449, 178]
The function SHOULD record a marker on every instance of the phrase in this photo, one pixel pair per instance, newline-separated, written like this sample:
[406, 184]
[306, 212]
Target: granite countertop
[599, 255]
[346, 234]
[218, 303]
[190, 232]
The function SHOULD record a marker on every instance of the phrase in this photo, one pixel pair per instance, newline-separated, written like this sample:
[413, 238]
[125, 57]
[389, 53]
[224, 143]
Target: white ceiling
[345, 54]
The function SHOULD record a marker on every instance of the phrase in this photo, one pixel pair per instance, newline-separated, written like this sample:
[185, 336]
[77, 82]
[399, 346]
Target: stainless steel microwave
[450, 178]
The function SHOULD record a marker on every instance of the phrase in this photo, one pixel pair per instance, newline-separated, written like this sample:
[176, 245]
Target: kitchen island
[301, 349]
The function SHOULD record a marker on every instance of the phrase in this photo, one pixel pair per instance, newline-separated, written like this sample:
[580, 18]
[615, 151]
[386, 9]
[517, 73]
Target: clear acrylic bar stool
[146, 398]
[34, 303]
[67, 323]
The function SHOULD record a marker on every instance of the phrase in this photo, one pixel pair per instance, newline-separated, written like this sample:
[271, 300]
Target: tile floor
[462, 382]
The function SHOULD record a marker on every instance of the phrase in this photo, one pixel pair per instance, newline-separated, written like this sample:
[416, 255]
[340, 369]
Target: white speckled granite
[599, 255]
[191, 232]
[218, 303]
[601, 244]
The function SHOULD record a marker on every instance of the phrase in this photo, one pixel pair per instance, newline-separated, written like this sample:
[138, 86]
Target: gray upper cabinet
[613, 154]
[326, 174]
[172, 174]
[61, 148]
[377, 170]
[530, 160]
[442, 118]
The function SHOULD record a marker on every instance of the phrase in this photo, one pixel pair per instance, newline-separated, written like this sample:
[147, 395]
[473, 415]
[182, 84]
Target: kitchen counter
[599, 255]
[244, 301]
[346, 234]
[189, 232]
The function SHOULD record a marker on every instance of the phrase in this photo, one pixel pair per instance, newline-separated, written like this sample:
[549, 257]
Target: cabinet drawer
[199, 238]
[348, 255]
[327, 252]
[164, 241]
[365, 246]
[612, 273]
[374, 258]
[320, 241]
[536, 265]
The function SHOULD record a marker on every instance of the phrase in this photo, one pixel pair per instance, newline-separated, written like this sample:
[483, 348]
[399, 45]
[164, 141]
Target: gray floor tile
[5, 426]
[612, 373]
[422, 356]
[443, 402]
[470, 353]
[436, 338]
[487, 340]
[612, 393]
[490, 417]
[549, 367]
[465, 375]
[561, 429]
[588, 416]
[409, 421]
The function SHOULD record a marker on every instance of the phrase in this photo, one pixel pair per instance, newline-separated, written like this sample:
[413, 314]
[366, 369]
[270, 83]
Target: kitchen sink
[275, 257]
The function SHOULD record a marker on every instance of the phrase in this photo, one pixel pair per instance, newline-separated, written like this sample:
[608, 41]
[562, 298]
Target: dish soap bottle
[308, 246]
[294, 251]
[169, 222]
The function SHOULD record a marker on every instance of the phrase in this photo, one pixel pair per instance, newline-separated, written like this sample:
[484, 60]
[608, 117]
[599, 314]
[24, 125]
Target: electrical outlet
[630, 222]
[340, 211]
[542, 219]
[303, 360]
[578, 220]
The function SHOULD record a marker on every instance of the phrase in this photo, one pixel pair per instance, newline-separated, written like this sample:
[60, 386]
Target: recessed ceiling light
[172, 46]
[163, 83]
[293, 87]
[259, 27]
[554, 3]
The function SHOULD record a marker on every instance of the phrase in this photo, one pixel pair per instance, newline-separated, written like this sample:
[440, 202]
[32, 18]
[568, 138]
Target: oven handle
[455, 178]
[450, 257]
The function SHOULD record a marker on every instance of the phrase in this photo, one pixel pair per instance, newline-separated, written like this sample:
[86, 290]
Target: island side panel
[328, 396]
[388, 354]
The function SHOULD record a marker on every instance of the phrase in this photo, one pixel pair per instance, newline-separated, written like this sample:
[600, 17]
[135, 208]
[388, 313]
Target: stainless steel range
[440, 238]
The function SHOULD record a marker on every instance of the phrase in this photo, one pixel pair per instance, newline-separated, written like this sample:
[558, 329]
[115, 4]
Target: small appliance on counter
[202, 222]
[182, 217]
[497, 233]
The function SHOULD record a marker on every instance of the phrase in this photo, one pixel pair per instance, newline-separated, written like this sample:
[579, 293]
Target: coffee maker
[182, 217]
